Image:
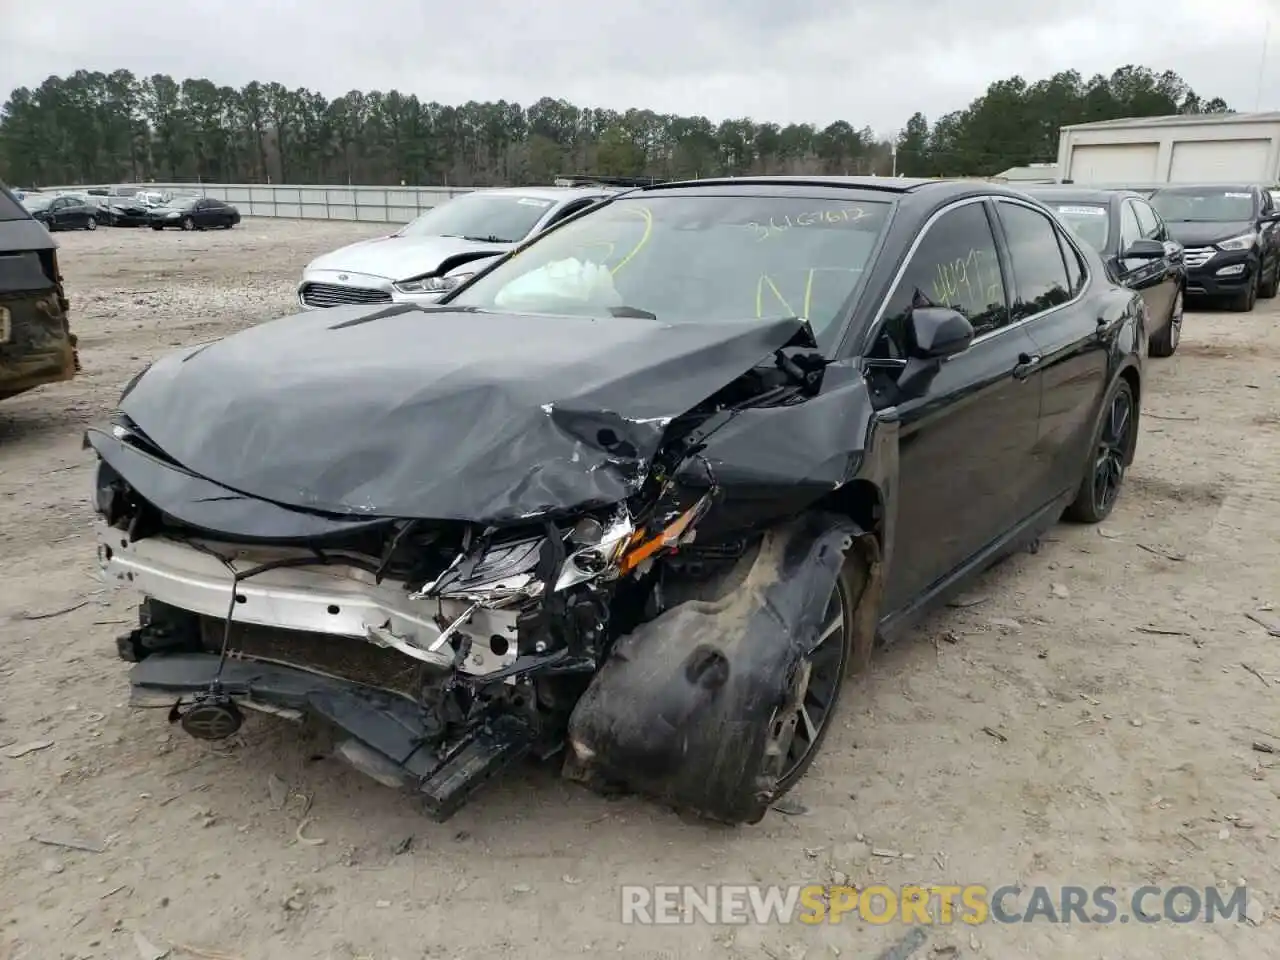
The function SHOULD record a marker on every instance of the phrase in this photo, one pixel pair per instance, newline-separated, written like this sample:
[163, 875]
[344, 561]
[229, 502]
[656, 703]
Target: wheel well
[861, 502]
[1130, 374]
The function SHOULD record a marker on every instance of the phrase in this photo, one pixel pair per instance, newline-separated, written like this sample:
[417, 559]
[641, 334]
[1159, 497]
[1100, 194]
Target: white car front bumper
[336, 288]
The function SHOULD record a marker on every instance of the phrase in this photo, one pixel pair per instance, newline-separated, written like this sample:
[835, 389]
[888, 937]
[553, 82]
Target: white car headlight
[1242, 242]
[433, 284]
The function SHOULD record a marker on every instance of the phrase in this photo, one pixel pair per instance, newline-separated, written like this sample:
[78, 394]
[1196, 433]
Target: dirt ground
[1089, 721]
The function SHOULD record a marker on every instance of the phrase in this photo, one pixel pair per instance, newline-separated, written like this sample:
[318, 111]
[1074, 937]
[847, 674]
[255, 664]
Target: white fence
[306, 202]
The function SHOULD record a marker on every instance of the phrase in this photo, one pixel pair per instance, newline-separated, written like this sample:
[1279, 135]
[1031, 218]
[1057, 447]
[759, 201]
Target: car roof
[1199, 187]
[1078, 194]
[866, 189]
[556, 194]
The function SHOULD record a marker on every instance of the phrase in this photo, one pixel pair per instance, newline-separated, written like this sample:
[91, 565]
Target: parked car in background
[193, 213]
[1232, 245]
[1135, 247]
[427, 258]
[62, 212]
[36, 343]
[642, 494]
[124, 212]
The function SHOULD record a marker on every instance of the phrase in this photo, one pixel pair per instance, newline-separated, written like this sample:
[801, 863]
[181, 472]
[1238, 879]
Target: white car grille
[336, 295]
[1195, 257]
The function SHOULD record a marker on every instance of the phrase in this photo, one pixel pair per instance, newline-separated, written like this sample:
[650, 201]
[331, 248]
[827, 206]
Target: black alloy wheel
[1113, 448]
[819, 680]
[1114, 440]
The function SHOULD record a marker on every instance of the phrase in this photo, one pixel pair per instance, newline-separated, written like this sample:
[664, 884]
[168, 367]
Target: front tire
[1244, 302]
[188, 224]
[1166, 341]
[91, 223]
[800, 728]
[1268, 290]
[1110, 452]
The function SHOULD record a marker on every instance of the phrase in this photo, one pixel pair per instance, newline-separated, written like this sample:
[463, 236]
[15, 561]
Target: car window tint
[956, 265]
[1148, 226]
[1129, 229]
[1040, 273]
[1075, 264]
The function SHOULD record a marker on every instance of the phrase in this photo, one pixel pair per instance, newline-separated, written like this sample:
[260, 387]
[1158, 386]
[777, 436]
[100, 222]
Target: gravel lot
[1117, 666]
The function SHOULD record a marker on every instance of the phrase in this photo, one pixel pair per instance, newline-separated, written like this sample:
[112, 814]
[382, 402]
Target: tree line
[94, 127]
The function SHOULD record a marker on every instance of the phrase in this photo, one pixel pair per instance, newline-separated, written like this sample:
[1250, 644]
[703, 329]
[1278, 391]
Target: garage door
[1219, 161]
[1115, 163]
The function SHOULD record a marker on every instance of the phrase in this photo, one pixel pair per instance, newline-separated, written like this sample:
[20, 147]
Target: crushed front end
[659, 634]
[440, 651]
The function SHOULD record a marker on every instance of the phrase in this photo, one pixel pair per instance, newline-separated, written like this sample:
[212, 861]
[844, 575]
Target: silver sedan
[441, 249]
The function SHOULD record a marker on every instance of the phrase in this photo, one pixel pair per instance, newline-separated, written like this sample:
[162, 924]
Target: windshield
[180, 203]
[1088, 221]
[1204, 206]
[681, 258]
[494, 218]
[36, 203]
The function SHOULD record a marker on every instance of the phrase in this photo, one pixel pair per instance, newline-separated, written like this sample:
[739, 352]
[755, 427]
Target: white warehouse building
[1209, 148]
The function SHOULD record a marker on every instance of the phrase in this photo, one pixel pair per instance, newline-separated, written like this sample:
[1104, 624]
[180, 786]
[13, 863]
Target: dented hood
[439, 413]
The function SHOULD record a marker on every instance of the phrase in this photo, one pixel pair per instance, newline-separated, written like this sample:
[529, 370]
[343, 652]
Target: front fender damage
[685, 709]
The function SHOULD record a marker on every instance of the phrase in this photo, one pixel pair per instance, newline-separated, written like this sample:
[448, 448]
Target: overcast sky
[870, 62]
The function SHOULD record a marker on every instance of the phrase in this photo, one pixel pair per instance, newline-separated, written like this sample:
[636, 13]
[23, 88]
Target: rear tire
[1166, 341]
[1114, 439]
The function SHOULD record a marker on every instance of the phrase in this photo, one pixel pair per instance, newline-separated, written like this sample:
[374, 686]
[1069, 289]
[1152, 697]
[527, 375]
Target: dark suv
[36, 342]
[1232, 246]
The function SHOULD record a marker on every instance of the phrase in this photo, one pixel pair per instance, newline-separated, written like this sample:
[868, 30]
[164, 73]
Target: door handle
[1027, 364]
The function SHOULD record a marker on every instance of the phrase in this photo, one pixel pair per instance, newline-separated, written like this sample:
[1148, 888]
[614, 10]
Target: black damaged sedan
[641, 495]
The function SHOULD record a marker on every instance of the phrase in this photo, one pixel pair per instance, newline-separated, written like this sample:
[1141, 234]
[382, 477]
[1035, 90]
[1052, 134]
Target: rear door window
[1148, 224]
[1040, 274]
[1130, 230]
[1075, 264]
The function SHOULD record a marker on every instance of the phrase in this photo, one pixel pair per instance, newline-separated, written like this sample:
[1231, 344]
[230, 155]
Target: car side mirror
[1270, 218]
[938, 332]
[1145, 249]
[935, 333]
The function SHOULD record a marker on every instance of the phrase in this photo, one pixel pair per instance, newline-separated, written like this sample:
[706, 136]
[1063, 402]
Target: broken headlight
[597, 549]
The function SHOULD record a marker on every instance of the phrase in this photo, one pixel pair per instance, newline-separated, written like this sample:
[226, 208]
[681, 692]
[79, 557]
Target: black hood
[1200, 234]
[440, 413]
